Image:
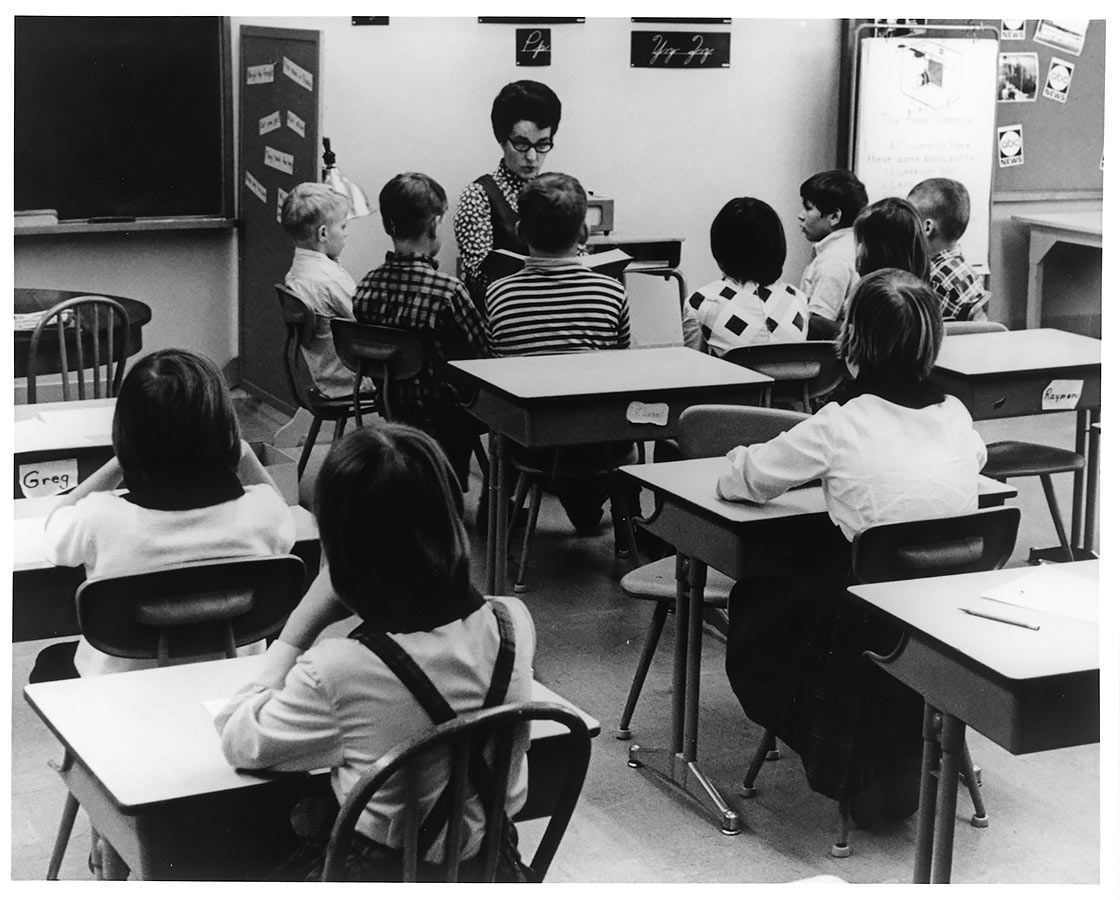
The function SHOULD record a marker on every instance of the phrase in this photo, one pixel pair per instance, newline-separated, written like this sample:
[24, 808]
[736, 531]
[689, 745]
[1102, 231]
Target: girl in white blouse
[899, 449]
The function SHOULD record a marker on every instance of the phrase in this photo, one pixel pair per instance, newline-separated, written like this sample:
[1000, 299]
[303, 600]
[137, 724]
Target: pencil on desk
[995, 618]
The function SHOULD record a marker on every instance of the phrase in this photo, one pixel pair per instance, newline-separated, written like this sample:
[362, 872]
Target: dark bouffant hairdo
[524, 101]
[946, 202]
[889, 235]
[552, 210]
[174, 424]
[748, 241]
[892, 329]
[390, 509]
[836, 189]
[409, 203]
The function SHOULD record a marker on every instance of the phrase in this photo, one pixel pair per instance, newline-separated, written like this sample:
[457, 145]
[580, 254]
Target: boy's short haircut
[836, 189]
[892, 328]
[552, 210]
[390, 515]
[748, 241]
[310, 205]
[524, 101]
[409, 203]
[946, 202]
[174, 426]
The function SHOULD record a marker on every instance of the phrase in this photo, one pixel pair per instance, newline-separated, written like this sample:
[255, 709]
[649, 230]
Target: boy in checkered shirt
[749, 304]
[943, 205]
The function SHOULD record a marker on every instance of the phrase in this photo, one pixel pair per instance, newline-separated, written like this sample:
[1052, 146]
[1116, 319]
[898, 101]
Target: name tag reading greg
[638, 413]
[47, 478]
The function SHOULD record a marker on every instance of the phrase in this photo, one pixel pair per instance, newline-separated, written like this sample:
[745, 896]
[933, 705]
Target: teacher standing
[525, 116]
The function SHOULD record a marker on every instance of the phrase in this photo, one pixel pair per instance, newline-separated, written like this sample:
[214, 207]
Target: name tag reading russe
[1062, 393]
[638, 413]
[47, 478]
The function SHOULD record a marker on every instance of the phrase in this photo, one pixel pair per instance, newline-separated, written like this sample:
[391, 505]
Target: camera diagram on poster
[931, 74]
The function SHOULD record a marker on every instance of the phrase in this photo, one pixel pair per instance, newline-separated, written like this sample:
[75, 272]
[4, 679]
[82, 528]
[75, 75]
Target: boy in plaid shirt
[410, 292]
[943, 205]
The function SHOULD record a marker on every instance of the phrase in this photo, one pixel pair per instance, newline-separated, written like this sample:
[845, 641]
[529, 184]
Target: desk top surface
[148, 737]
[694, 481]
[64, 425]
[29, 300]
[31, 513]
[1003, 352]
[1088, 222]
[567, 375]
[1061, 645]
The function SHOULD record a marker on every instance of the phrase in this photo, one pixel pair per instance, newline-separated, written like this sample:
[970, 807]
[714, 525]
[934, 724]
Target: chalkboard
[123, 116]
[926, 108]
[1063, 142]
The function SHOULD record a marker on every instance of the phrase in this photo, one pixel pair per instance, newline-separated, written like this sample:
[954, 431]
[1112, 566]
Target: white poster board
[927, 109]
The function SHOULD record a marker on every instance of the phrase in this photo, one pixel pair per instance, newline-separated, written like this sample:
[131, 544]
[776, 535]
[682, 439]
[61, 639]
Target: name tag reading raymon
[1062, 393]
[47, 478]
[639, 413]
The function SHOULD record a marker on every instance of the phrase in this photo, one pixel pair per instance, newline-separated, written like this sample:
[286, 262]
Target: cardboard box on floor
[282, 467]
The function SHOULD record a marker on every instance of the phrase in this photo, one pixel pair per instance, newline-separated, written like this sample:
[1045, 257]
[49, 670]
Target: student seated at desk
[898, 450]
[889, 235]
[196, 491]
[397, 555]
[749, 304]
[409, 292]
[315, 217]
[556, 304]
[944, 207]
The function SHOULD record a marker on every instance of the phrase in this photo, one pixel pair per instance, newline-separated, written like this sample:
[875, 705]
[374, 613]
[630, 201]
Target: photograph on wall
[1058, 80]
[1010, 141]
[1013, 29]
[1018, 77]
[1062, 34]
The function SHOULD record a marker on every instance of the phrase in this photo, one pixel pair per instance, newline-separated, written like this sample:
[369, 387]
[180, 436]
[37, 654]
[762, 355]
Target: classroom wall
[669, 146]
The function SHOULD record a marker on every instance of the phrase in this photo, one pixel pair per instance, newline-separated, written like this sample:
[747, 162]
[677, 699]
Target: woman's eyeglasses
[521, 145]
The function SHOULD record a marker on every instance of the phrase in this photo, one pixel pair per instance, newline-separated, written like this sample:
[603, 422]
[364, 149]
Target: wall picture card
[1062, 34]
[263, 74]
[255, 187]
[1018, 78]
[296, 124]
[1013, 29]
[1058, 80]
[299, 75]
[278, 160]
[680, 49]
[269, 123]
[533, 47]
[1009, 138]
[281, 196]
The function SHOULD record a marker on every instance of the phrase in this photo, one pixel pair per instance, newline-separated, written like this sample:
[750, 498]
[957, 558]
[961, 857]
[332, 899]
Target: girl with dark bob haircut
[889, 235]
[748, 241]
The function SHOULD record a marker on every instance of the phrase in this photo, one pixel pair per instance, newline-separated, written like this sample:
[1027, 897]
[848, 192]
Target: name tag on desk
[48, 477]
[1062, 393]
[639, 413]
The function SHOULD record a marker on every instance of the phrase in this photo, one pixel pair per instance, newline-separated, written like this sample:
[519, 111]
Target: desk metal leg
[678, 764]
[927, 797]
[1092, 474]
[492, 495]
[501, 535]
[952, 741]
[1081, 442]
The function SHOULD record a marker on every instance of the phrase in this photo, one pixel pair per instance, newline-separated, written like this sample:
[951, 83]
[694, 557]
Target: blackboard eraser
[106, 220]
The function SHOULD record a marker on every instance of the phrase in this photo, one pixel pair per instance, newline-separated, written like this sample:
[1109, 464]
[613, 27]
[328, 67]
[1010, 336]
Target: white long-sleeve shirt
[831, 274]
[879, 462]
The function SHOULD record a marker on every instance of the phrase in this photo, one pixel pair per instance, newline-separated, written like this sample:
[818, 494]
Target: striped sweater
[556, 306]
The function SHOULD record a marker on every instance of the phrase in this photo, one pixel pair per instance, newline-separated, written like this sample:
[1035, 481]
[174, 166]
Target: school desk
[568, 399]
[1026, 689]
[741, 540]
[1046, 230]
[651, 256]
[43, 594]
[32, 300]
[1023, 373]
[51, 433]
[149, 771]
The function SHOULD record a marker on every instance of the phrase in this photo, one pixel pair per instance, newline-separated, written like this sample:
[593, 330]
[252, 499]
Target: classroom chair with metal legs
[705, 430]
[803, 371]
[976, 542]
[210, 607]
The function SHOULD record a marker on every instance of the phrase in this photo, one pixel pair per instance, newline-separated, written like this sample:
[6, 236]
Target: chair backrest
[976, 542]
[969, 327]
[378, 352]
[802, 370]
[299, 320]
[189, 610]
[714, 429]
[89, 333]
[495, 728]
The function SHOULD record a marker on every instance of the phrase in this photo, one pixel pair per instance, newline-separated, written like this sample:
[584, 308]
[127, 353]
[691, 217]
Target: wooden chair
[802, 370]
[976, 542]
[299, 319]
[181, 612]
[458, 740]
[706, 430]
[87, 333]
[1022, 459]
[382, 354]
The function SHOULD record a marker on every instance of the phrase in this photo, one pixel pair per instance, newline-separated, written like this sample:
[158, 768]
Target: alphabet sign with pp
[534, 47]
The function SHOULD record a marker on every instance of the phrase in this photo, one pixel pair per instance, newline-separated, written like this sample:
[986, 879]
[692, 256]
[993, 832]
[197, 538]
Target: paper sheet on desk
[87, 422]
[1051, 589]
